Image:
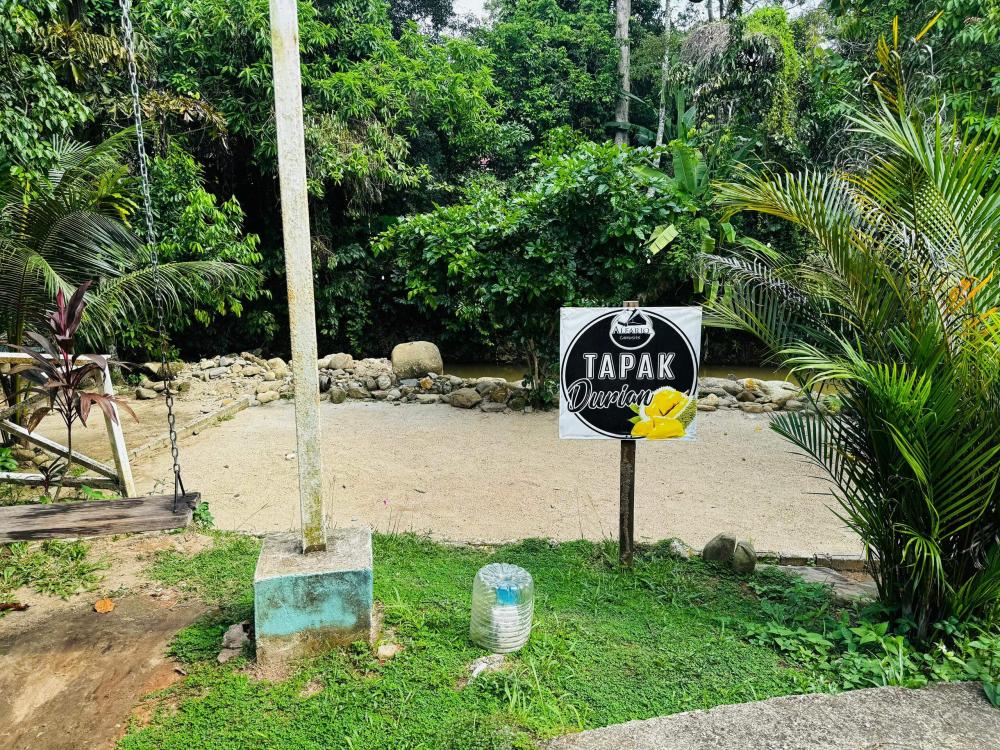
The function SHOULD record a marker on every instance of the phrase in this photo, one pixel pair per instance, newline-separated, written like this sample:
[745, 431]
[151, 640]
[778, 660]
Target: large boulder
[415, 359]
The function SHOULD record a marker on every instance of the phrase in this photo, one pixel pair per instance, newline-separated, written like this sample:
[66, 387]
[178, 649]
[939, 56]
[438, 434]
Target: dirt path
[469, 476]
[70, 677]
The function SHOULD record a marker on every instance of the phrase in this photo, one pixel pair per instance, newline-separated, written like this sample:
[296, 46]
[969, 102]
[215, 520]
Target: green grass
[54, 567]
[607, 646]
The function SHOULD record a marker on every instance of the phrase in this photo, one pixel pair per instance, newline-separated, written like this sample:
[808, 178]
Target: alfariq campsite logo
[631, 329]
[629, 374]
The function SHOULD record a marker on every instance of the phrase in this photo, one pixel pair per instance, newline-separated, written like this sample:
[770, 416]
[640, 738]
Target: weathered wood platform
[19, 523]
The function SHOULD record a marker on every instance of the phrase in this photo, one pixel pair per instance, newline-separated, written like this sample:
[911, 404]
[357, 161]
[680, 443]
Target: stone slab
[845, 590]
[305, 605]
[941, 717]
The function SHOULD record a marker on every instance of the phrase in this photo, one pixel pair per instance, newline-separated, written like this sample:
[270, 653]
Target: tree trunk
[623, 9]
[711, 11]
[661, 121]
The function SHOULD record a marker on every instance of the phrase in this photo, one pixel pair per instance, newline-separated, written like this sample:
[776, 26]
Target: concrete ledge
[305, 605]
[941, 717]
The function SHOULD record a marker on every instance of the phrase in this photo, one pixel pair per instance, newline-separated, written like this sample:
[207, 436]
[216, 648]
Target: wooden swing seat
[22, 523]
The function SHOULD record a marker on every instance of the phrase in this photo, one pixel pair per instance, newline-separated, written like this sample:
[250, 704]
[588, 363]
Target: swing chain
[128, 35]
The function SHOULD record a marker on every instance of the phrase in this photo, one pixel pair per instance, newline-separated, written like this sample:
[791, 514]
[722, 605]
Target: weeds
[55, 568]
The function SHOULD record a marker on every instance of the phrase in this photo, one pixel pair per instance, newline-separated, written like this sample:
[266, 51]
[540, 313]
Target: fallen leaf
[103, 606]
[13, 606]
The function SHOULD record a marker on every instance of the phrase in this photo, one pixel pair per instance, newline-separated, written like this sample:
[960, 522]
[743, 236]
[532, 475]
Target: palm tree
[70, 226]
[897, 309]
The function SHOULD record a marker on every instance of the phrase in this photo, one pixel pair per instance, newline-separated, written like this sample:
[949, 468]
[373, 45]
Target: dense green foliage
[857, 648]
[898, 309]
[502, 262]
[70, 225]
[556, 65]
[416, 121]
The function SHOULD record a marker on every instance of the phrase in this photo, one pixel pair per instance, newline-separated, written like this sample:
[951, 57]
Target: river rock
[278, 367]
[145, 394]
[340, 361]
[793, 405]
[517, 403]
[393, 395]
[500, 394]
[172, 369]
[726, 549]
[267, 397]
[416, 358]
[384, 381]
[719, 549]
[493, 407]
[337, 395]
[372, 367]
[709, 402]
[778, 392]
[486, 386]
[465, 398]
[744, 558]
[752, 407]
[357, 391]
[715, 385]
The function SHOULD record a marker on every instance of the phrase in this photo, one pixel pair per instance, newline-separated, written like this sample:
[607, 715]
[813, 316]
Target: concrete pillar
[298, 267]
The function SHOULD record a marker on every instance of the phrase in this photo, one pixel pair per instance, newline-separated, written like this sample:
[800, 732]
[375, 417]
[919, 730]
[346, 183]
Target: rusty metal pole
[298, 266]
[626, 494]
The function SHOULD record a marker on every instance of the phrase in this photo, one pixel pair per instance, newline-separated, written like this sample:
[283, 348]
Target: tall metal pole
[298, 266]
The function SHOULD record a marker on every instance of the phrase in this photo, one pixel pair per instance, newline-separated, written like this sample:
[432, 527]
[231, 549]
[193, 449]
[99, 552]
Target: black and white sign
[629, 373]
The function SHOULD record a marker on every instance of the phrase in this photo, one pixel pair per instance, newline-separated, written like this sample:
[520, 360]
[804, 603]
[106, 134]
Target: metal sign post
[626, 492]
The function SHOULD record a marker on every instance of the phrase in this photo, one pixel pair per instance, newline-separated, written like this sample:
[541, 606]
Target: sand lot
[469, 476]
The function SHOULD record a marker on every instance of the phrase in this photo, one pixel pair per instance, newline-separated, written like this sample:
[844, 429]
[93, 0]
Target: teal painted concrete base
[309, 604]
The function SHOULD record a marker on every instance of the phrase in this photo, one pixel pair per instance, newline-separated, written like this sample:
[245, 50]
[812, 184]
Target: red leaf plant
[62, 377]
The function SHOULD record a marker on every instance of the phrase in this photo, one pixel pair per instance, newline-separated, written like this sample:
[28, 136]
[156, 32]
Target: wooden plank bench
[19, 523]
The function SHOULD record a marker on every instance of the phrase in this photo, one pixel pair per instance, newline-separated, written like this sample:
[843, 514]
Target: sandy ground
[150, 418]
[469, 476]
